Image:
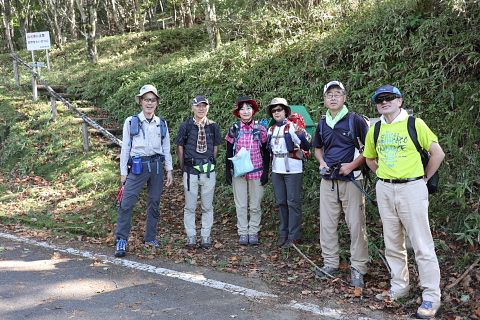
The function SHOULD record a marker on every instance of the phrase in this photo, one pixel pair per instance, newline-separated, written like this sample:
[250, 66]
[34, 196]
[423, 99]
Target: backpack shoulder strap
[351, 131]
[163, 128]
[320, 126]
[376, 132]
[412, 131]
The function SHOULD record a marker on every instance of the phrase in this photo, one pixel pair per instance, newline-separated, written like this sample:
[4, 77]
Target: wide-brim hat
[146, 88]
[279, 101]
[243, 100]
[387, 89]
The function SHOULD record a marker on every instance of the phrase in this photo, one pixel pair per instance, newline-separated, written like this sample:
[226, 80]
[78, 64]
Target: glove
[229, 164]
[264, 177]
[228, 176]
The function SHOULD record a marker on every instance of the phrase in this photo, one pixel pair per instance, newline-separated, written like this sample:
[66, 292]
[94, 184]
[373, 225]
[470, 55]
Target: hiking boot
[281, 241]
[206, 242]
[243, 239]
[121, 248]
[326, 271]
[289, 243]
[428, 309]
[390, 295]
[357, 279]
[253, 239]
[154, 242]
[191, 241]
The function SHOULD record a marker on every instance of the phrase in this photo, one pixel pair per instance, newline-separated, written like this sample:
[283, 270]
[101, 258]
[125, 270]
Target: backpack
[235, 132]
[208, 130]
[364, 168]
[291, 147]
[136, 127]
[432, 183]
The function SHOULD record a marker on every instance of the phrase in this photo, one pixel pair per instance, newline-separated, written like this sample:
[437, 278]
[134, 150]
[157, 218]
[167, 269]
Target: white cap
[332, 84]
[146, 88]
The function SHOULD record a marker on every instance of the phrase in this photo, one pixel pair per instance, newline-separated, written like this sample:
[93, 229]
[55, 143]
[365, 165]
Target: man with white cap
[198, 140]
[402, 196]
[338, 140]
[146, 150]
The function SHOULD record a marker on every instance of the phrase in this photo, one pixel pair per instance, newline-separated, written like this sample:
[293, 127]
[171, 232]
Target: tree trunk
[187, 17]
[72, 20]
[212, 28]
[88, 11]
[91, 30]
[5, 10]
[115, 16]
[138, 20]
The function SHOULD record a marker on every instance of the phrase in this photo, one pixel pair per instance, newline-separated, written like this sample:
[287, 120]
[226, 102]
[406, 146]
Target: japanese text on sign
[38, 40]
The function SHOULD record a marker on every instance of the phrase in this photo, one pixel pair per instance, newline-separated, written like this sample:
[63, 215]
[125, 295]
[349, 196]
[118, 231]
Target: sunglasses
[387, 98]
[277, 110]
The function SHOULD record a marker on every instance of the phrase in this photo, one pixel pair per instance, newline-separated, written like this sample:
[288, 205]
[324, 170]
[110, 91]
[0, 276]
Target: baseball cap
[387, 89]
[332, 84]
[200, 99]
[146, 88]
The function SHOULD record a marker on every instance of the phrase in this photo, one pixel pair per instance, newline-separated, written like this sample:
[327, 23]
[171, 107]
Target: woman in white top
[285, 141]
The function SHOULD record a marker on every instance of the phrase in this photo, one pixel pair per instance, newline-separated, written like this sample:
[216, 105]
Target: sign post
[38, 41]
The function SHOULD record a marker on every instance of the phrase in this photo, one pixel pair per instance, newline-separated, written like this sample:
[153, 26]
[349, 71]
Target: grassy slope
[433, 59]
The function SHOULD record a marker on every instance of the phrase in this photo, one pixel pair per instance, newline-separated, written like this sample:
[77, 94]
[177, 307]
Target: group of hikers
[343, 142]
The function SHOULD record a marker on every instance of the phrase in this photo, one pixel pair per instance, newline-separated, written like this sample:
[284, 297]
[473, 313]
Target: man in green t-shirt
[402, 197]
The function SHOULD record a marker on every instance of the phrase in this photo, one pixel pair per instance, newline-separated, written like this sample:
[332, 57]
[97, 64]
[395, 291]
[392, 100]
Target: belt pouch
[137, 167]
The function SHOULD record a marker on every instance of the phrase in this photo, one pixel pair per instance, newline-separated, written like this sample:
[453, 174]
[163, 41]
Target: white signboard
[37, 64]
[38, 40]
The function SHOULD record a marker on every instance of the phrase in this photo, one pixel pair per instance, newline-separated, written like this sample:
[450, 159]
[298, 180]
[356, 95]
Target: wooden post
[54, 108]
[34, 87]
[86, 145]
[34, 81]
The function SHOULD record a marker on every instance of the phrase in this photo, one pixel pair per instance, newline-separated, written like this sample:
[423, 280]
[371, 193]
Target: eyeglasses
[389, 97]
[150, 100]
[332, 95]
[277, 110]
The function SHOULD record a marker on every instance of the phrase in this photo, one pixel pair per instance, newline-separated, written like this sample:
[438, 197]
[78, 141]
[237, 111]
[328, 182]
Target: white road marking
[198, 279]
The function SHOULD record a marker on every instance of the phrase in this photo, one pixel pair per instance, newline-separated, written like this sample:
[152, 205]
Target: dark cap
[200, 99]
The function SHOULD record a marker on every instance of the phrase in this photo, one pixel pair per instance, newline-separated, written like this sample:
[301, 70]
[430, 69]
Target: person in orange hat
[251, 135]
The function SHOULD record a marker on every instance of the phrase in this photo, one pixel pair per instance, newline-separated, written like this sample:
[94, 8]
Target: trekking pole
[119, 198]
[314, 265]
[364, 192]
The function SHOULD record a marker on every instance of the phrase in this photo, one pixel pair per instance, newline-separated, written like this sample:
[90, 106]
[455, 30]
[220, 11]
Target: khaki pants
[352, 203]
[206, 186]
[404, 207]
[243, 190]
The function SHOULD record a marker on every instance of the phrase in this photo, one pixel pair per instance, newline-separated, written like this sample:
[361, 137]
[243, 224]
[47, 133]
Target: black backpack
[432, 183]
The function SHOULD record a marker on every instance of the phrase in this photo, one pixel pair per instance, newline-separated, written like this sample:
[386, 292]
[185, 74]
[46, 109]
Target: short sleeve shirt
[395, 152]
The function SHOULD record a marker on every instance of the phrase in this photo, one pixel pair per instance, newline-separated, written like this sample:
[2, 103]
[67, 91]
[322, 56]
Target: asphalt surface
[40, 280]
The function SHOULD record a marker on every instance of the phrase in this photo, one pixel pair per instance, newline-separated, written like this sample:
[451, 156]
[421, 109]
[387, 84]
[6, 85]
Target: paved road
[40, 280]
